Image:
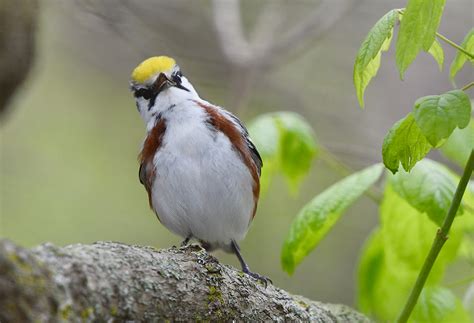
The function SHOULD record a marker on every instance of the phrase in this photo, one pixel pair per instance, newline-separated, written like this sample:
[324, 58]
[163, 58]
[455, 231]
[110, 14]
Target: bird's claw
[263, 279]
[185, 242]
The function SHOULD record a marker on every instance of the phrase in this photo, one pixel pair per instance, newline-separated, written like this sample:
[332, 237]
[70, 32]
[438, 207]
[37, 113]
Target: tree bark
[109, 281]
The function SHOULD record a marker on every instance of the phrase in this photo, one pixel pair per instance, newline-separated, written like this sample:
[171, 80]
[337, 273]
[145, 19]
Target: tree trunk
[114, 282]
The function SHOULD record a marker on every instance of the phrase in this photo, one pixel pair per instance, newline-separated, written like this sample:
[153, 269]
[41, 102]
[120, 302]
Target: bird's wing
[248, 141]
[142, 175]
[224, 121]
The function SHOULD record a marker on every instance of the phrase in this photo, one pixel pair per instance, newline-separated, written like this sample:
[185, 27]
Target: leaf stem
[440, 239]
[453, 44]
[467, 86]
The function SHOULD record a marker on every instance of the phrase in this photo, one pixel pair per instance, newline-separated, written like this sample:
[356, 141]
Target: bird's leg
[206, 245]
[245, 267]
[186, 241]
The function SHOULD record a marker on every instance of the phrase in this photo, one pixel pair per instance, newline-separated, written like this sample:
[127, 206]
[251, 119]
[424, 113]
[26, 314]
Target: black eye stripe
[143, 93]
[150, 94]
[177, 78]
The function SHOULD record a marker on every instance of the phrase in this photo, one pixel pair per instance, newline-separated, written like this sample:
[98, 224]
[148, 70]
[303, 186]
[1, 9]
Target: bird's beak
[161, 83]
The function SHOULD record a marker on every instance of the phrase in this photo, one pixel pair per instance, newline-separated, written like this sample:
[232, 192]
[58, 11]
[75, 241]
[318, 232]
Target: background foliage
[400, 249]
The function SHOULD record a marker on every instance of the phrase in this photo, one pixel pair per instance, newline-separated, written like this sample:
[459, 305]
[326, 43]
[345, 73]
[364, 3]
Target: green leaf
[404, 143]
[371, 264]
[417, 30]
[375, 282]
[286, 144]
[297, 148]
[460, 59]
[459, 145]
[367, 61]
[265, 136]
[438, 54]
[317, 217]
[370, 269]
[429, 188]
[393, 255]
[466, 250]
[408, 235]
[431, 17]
[468, 202]
[439, 304]
[438, 115]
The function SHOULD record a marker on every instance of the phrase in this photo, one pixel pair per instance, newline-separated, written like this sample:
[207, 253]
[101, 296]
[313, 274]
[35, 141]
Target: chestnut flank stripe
[221, 123]
[151, 145]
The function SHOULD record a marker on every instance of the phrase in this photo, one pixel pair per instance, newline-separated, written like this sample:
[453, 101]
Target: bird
[198, 164]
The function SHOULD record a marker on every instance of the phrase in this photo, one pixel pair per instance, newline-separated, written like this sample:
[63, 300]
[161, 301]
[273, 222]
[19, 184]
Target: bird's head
[154, 77]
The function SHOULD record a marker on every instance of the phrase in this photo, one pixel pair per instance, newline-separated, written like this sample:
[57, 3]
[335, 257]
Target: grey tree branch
[114, 282]
[229, 29]
[268, 23]
[264, 48]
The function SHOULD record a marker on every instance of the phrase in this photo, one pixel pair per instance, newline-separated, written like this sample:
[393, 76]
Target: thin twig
[467, 86]
[453, 44]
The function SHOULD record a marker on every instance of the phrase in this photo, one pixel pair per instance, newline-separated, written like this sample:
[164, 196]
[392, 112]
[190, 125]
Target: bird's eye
[177, 77]
[144, 93]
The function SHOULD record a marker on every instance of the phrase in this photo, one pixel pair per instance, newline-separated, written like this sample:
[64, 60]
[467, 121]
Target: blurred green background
[69, 142]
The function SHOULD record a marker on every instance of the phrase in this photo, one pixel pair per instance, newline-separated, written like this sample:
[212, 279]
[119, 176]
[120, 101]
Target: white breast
[202, 187]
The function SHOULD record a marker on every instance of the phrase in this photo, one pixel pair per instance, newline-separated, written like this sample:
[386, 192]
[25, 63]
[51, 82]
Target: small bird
[198, 164]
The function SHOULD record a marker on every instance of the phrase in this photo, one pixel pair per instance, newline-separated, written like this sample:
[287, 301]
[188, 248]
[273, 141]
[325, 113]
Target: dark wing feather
[255, 154]
[142, 174]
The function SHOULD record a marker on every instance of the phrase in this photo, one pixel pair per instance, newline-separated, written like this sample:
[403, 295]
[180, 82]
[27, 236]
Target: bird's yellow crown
[152, 66]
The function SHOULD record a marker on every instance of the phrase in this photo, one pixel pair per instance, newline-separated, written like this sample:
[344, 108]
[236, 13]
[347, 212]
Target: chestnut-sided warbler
[197, 163]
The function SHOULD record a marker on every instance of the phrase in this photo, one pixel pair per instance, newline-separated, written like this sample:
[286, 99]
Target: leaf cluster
[416, 199]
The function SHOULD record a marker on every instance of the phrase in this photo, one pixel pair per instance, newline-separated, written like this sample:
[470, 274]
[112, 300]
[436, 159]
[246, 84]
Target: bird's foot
[263, 279]
[185, 242]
